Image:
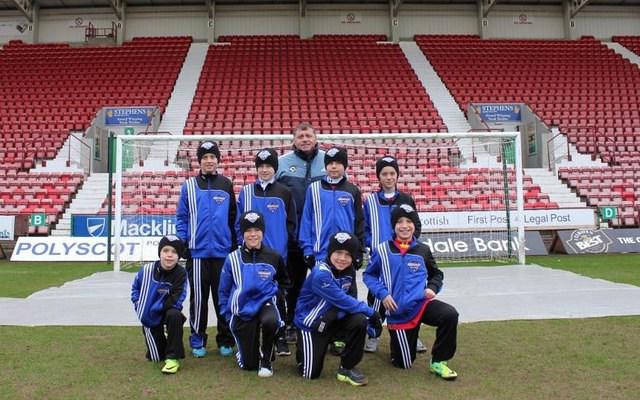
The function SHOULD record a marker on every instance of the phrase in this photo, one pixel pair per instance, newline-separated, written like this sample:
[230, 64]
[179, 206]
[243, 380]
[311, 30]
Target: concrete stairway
[88, 201]
[444, 102]
[550, 184]
[624, 52]
[175, 115]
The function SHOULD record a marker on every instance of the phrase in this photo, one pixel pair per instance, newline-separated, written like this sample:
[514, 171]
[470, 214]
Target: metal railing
[552, 160]
[85, 158]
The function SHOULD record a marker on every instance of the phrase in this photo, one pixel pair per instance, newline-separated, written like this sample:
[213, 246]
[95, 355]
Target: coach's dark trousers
[403, 341]
[204, 278]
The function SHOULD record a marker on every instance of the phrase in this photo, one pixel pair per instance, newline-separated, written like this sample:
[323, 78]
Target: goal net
[468, 187]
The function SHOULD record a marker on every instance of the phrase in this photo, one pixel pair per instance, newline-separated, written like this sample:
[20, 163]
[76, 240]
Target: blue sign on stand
[132, 225]
[499, 112]
[129, 116]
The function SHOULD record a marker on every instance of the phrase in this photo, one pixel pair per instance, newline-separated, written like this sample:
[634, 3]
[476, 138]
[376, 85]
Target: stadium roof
[62, 4]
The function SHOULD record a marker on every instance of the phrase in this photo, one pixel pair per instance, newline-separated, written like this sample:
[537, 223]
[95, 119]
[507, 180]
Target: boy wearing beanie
[377, 223]
[157, 294]
[328, 307]
[405, 277]
[332, 204]
[205, 221]
[274, 201]
[252, 278]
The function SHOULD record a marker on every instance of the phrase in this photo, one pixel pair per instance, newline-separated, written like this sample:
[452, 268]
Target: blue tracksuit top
[296, 171]
[326, 288]
[249, 278]
[154, 291]
[405, 277]
[206, 215]
[377, 217]
[329, 209]
[278, 209]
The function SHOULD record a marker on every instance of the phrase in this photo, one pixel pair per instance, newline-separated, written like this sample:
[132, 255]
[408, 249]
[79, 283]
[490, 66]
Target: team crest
[273, 207]
[207, 145]
[293, 169]
[342, 237]
[344, 200]
[388, 159]
[264, 274]
[346, 285]
[414, 266]
[218, 199]
[263, 155]
[252, 217]
[406, 208]
[333, 151]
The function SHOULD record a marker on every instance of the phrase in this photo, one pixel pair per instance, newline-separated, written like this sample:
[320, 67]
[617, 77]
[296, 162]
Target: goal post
[486, 167]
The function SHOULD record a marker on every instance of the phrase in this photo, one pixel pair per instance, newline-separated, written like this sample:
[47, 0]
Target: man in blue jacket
[297, 170]
[252, 278]
[405, 277]
[205, 220]
[328, 307]
[157, 294]
[274, 202]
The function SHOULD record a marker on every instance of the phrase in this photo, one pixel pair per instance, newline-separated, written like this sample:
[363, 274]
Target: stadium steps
[175, 115]
[454, 119]
[88, 201]
[59, 163]
[551, 185]
[624, 52]
[577, 159]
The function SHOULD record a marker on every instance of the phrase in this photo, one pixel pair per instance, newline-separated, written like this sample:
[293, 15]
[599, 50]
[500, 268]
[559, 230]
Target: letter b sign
[38, 220]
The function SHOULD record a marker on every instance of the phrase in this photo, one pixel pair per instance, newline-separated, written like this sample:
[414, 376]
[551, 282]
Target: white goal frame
[121, 140]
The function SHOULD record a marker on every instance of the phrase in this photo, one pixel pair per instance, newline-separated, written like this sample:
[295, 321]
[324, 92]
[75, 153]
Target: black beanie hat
[267, 156]
[338, 154]
[405, 210]
[208, 147]
[344, 241]
[251, 219]
[173, 241]
[387, 161]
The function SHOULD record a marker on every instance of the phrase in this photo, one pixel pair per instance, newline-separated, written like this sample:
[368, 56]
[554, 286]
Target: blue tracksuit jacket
[405, 277]
[326, 288]
[154, 291]
[206, 215]
[329, 209]
[250, 278]
[279, 211]
[377, 217]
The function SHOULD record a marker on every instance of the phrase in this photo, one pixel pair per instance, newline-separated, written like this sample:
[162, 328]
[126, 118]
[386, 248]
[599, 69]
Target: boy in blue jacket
[327, 307]
[274, 201]
[157, 294]
[405, 277]
[251, 280]
[205, 221]
[331, 205]
[377, 224]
